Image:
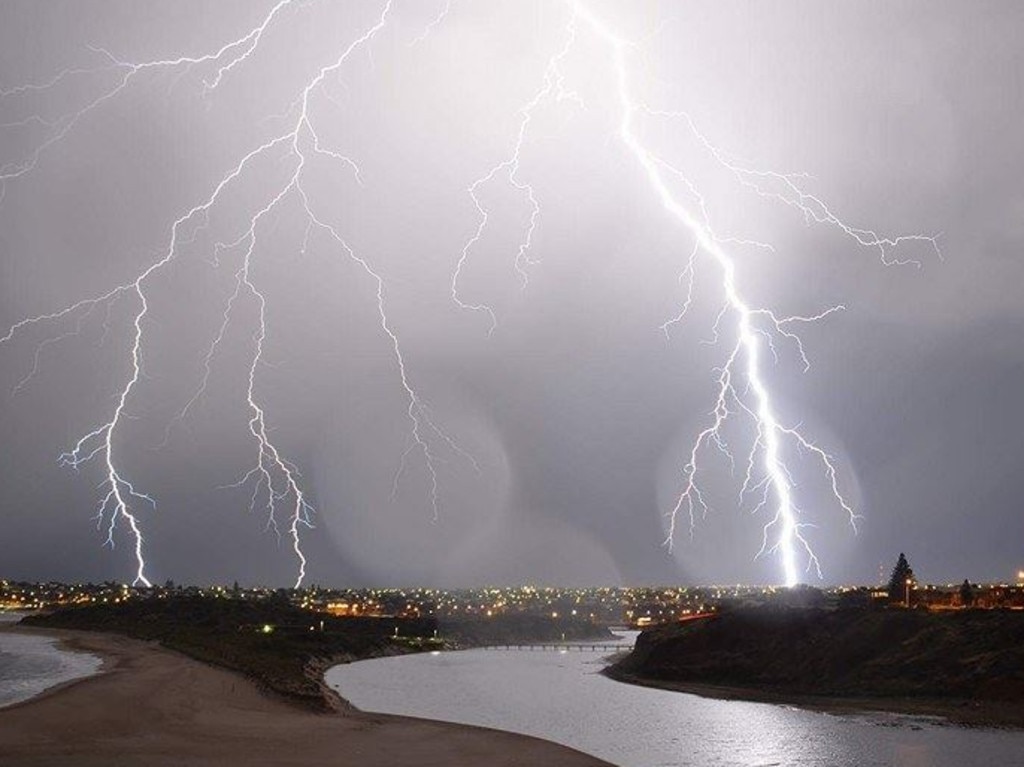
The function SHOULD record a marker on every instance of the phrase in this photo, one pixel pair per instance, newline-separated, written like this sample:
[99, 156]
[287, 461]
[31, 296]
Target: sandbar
[153, 706]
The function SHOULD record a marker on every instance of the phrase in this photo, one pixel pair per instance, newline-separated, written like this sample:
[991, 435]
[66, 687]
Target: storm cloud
[578, 408]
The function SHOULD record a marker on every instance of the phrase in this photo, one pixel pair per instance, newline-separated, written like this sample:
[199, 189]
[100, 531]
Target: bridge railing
[566, 646]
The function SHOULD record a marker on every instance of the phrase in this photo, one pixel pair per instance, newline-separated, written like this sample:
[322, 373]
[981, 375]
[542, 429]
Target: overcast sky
[580, 412]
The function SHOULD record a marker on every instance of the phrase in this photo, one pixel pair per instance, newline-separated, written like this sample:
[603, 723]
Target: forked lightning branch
[749, 335]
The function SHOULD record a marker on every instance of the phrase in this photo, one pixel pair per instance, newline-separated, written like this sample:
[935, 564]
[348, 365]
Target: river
[561, 696]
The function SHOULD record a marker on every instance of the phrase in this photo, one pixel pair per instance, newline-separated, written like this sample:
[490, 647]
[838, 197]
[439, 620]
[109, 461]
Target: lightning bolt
[782, 533]
[552, 88]
[273, 478]
[275, 483]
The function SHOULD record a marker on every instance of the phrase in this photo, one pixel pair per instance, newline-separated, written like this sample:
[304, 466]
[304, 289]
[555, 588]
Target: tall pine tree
[898, 581]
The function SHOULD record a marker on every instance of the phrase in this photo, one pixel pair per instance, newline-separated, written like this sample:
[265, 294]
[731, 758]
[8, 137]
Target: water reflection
[562, 697]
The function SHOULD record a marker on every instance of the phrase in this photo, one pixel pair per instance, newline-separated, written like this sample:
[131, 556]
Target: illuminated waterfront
[608, 606]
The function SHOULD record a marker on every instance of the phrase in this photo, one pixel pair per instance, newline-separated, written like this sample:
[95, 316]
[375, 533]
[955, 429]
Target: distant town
[611, 606]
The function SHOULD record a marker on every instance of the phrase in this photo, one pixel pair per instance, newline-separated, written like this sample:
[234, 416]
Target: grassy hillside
[968, 655]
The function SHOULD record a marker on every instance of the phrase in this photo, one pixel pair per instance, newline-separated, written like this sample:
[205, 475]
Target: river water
[560, 696]
[30, 664]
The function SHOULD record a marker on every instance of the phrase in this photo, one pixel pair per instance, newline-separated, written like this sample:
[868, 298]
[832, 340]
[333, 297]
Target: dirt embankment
[967, 665]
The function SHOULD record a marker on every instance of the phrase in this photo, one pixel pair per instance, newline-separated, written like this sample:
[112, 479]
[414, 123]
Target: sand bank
[156, 707]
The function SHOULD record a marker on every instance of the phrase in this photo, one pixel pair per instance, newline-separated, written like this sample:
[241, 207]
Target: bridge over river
[566, 646]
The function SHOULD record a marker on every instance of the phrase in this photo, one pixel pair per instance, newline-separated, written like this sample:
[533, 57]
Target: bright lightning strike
[274, 479]
[754, 326]
[274, 482]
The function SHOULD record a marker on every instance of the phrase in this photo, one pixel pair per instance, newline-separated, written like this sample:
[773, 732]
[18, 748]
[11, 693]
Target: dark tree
[281, 596]
[898, 581]
[966, 594]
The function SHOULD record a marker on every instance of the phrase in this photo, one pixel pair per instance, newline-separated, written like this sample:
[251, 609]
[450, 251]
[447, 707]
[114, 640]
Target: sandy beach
[156, 707]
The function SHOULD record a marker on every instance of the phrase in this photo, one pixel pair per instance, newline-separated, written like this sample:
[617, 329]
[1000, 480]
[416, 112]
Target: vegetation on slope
[285, 648]
[967, 655]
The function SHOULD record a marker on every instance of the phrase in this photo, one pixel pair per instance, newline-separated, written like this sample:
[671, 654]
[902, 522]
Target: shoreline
[952, 712]
[151, 705]
[64, 643]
